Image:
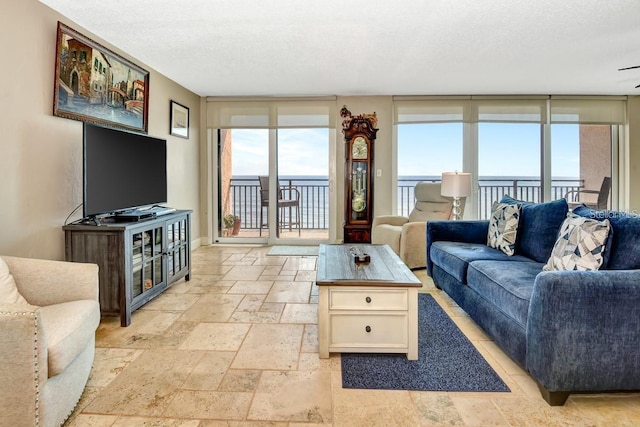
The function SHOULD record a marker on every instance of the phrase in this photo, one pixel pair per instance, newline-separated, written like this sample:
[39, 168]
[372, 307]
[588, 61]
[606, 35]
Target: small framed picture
[179, 120]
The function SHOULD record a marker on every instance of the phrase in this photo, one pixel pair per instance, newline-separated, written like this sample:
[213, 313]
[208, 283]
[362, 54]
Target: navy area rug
[447, 361]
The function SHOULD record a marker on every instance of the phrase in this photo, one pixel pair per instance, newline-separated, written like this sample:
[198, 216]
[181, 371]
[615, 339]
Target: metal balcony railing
[314, 197]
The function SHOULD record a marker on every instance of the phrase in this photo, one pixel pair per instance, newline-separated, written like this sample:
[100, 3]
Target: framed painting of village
[93, 84]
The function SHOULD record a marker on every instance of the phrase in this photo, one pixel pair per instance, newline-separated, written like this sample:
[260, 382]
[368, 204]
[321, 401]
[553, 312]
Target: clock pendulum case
[359, 135]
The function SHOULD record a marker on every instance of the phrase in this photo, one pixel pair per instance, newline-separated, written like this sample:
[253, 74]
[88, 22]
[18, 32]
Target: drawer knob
[368, 299]
[367, 328]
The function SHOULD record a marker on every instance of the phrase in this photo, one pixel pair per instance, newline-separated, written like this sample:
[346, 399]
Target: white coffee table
[366, 307]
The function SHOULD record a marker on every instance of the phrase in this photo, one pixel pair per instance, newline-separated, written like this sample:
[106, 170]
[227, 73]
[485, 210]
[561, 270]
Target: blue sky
[504, 150]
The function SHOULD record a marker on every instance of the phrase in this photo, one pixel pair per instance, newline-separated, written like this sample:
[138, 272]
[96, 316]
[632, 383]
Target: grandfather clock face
[359, 149]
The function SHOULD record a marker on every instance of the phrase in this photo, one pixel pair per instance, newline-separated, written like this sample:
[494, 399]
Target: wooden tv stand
[137, 260]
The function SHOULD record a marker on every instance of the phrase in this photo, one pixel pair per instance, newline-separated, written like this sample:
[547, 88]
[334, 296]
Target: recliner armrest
[46, 282]
[395, 220]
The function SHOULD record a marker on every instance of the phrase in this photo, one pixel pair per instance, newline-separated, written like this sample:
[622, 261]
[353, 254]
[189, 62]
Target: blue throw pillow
[623, 245]
[538, 227]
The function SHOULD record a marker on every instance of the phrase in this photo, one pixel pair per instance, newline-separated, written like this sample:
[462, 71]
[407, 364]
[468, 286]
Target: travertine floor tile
[169, 301]
[240, 380]
[216, 336]
[289, 292]
[209, 405]
[300, 263]
[300, 313]
[212, 308]
[244, 273]
[154, 422]
[147, 385]
[108, 363]
[436, 409]
[209, 371]
[92, 420]
[251, 287]
[270, 346]
[478, 411]
[375, 408]
[293, 396]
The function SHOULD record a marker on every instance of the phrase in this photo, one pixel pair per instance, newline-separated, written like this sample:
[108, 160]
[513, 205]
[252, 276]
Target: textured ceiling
[375, 47]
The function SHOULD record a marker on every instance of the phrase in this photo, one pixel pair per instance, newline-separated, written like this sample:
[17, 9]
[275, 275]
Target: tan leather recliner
[407, 236]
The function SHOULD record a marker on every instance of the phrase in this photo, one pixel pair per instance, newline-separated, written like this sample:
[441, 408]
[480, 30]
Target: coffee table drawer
[371, 330]
[368, 299]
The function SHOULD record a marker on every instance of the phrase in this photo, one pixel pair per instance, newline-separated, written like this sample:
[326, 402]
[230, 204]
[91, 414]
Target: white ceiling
[375, 47]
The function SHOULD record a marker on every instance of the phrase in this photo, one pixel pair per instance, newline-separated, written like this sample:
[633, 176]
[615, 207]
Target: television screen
[122, 170]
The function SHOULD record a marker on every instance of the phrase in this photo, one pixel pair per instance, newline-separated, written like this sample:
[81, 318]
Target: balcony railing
[314, 197]
[314, 202]
[492, 189]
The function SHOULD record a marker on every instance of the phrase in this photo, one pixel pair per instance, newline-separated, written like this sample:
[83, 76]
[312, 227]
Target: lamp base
[456, 209]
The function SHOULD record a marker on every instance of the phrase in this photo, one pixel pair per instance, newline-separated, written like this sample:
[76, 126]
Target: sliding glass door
[273, 176]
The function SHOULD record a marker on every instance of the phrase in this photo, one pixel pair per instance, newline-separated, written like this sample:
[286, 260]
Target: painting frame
[96, 85]
[178, 120]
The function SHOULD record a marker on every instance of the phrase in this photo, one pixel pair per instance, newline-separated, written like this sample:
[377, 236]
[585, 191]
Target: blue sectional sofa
[573, 331]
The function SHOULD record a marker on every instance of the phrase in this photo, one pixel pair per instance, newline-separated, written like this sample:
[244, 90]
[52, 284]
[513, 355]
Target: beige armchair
[47, 343]
[407, 236]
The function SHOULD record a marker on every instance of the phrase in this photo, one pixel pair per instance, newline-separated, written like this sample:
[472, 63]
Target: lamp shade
[456, 184]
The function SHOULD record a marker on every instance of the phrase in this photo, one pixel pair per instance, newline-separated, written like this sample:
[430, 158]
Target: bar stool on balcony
[288, 198]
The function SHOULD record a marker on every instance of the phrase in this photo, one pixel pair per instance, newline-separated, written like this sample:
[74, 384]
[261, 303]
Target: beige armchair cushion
[68, 328]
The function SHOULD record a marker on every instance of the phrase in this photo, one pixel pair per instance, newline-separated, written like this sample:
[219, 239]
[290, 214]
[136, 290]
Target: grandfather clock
[359, 135]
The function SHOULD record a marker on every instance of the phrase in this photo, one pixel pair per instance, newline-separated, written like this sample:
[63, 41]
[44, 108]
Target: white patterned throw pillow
[503, 227]
[580, 245]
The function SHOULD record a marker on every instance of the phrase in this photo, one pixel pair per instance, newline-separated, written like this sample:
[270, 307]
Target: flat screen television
[122, 170]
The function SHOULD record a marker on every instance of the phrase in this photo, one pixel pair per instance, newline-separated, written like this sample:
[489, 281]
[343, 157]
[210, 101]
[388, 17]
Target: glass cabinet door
[147, 260]
[177, 246]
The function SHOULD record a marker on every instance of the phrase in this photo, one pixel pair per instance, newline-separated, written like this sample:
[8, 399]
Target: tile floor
[237, 346]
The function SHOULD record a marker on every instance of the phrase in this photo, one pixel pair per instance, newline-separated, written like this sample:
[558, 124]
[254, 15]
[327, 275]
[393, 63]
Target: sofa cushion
[538, 227]
[625, 229]
[68, 328]
[503, 227]
[454, 257]
[507, 285]
[9, 293]
[581, 244]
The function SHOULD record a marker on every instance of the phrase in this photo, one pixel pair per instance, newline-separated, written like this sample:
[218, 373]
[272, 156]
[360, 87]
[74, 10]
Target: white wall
[41, 155]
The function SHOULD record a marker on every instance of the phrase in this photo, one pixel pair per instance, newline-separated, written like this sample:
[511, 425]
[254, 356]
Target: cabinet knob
[367, 328]
[368, 299]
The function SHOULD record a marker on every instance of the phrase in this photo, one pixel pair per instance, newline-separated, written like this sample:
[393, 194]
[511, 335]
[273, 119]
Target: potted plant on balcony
[232, 223]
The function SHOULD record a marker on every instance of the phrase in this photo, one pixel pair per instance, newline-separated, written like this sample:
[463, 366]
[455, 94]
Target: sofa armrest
[390, 220]
[470, 231]
[23, 357]
[583, 330]
[46, 282]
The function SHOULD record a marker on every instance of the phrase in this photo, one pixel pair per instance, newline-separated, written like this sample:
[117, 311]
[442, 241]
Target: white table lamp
[456, 185]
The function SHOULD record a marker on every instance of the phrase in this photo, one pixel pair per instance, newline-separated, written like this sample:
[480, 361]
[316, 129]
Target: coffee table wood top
[337, 267]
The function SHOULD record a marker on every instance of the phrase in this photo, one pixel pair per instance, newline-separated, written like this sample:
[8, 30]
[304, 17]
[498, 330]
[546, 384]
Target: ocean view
[314, 195]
